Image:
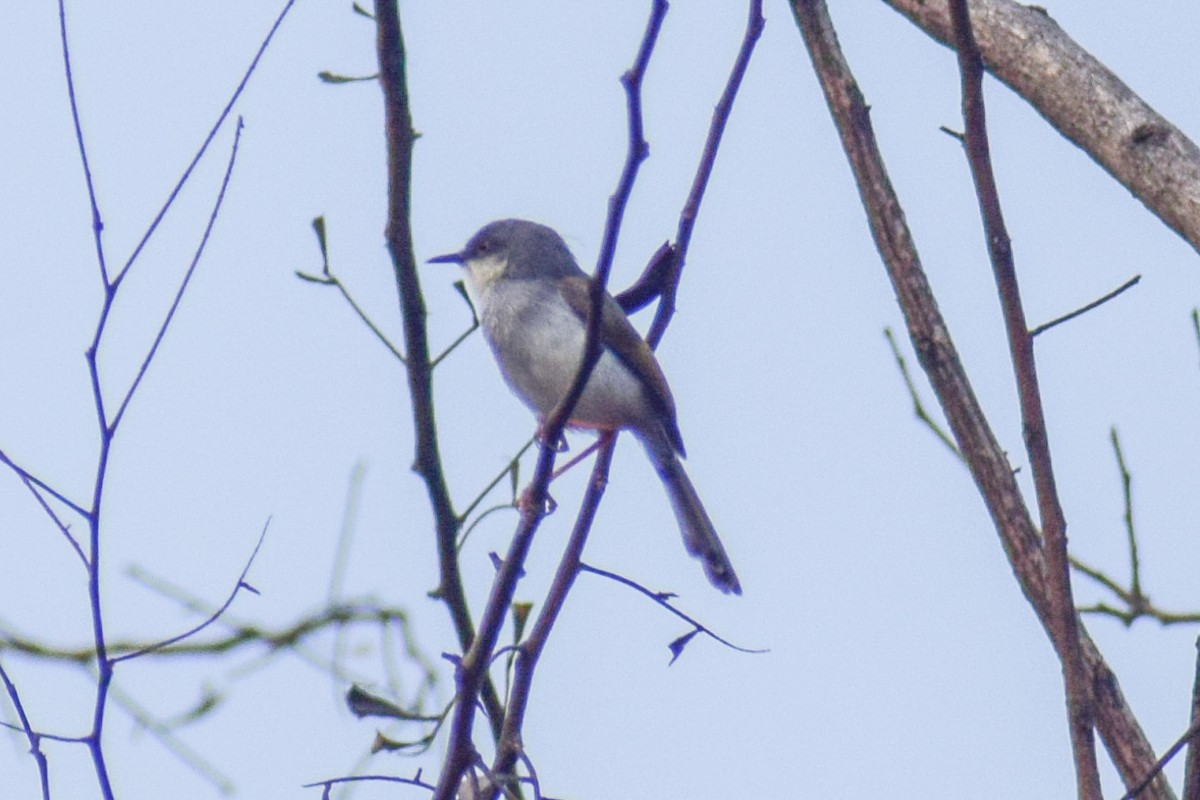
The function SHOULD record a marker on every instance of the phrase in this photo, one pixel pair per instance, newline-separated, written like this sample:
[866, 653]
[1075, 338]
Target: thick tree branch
[1083, 100]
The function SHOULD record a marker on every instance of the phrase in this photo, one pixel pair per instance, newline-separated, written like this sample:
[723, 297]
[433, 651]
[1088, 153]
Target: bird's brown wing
[619, 336]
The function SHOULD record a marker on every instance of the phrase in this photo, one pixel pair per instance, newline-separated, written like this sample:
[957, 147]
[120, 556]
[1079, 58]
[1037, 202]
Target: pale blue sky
[904, 661]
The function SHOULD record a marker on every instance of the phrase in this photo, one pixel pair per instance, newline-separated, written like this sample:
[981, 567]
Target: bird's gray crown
[531, 250]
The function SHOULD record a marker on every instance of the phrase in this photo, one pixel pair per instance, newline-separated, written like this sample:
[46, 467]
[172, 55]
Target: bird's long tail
[699, 536]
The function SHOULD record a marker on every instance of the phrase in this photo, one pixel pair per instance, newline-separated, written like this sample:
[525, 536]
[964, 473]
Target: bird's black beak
[449, 258]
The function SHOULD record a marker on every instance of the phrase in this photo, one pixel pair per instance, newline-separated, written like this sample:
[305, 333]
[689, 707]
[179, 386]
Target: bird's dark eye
[483, 247]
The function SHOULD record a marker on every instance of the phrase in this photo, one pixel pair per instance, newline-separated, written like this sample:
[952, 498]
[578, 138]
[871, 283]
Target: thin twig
[462, 337]
[233, 593]
[332, 280]
[187, 279]
[1135, 571]
[97, 219]
[1187, 738]
[664, 600]
[513, 466]
[212, 133]
[1136, 606]
[708, 159]
[36, 487]
[30, 478]
[918, 407]
[31, 736]
[327, 278]
[1129, 284]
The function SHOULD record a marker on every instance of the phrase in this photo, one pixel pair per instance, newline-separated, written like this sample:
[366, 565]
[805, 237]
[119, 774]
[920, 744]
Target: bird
[532, 300]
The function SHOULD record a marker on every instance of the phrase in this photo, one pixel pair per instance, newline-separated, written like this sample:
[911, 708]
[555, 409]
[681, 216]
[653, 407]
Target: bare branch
[529, 651]
[428, 461]
[1084, 101]
[1129, 284]
[708, 158]
[238, 587]
[187, 279]
[31, 736]
[327, 278]
[1062, 620]
[932, 342]
[664, 600]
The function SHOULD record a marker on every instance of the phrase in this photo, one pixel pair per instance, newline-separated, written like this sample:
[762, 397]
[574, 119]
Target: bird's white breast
[538, 342]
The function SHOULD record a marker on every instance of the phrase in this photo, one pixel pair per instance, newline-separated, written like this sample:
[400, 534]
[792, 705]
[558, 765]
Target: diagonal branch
[213, 617]
[31, 736]
[208, 139]
[36, 486]
[1083, 100]
[986, 459]
[664, 599]
[183, 285]
[691, 207]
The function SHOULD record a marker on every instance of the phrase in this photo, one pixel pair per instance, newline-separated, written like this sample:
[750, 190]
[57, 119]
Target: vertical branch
[931, 340]
[92, 514]
[1063, 622]
[473, 669]
[427, 463]
[107, 425]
